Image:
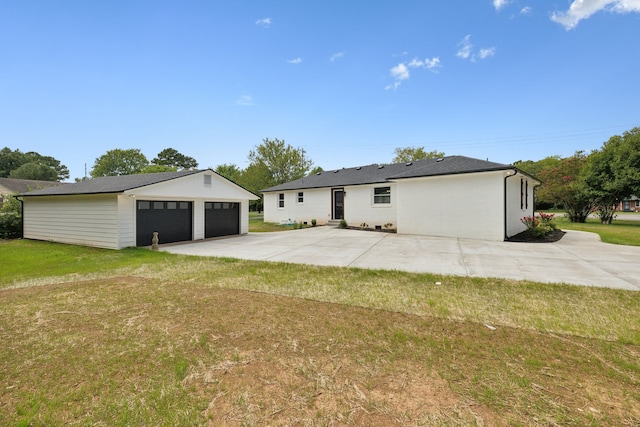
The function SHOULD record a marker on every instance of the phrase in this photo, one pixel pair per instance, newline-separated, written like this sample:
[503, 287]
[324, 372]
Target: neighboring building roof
[110, 184]
[375, 174]
[15, 185]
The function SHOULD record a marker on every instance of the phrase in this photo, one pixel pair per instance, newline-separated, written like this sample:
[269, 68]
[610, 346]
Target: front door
[338, 203]
[626, 205]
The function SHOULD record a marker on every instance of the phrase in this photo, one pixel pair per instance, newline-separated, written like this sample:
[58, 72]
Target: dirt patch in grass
[130, 351]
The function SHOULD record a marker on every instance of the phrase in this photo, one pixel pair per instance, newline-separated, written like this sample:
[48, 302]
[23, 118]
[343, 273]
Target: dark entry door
[172, 221]
[221, 219]
[338, 203]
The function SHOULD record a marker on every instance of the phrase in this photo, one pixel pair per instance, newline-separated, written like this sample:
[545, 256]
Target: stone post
[154, 241]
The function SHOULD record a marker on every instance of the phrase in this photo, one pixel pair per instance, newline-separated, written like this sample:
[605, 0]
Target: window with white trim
[281, 200]
[381, 195]
[300, 197]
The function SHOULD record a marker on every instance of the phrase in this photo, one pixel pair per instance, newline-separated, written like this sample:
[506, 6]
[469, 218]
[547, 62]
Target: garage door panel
[221, 219]
[173, 220]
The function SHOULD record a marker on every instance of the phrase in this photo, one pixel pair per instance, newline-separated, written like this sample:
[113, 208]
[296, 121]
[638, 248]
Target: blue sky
[347, 81]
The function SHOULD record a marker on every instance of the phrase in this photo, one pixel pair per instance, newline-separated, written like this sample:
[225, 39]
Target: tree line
[580, 184]
[595, 182]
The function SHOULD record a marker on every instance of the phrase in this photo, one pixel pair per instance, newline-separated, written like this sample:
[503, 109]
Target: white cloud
[485, 53]
[264, 22]
[336, 56]
[526, 10]
[401, 71]
[295, 61]
[465, 47]
[466, 51]
[499, 4]
[583, 9]
[245, 101]
[432, 64]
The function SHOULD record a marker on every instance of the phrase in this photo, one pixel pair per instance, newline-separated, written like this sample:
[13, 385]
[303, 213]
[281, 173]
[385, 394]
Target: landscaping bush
[539, 226]
[343, 223]
[11, 219]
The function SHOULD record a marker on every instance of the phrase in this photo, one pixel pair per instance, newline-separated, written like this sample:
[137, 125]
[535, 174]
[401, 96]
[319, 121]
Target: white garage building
[123, 211]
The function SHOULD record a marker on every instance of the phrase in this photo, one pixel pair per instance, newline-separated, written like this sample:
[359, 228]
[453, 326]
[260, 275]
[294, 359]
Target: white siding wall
[126, 221]
[316, 205]
[90, 220]
[515, 209]
[465, 206]
[359, 206]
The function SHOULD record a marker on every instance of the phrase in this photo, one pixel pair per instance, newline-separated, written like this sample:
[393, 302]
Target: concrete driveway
[579, 258]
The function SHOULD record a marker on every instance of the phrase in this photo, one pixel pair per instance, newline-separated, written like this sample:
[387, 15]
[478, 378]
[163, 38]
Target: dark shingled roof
[110, 184]
[374, 174]
[23, 185]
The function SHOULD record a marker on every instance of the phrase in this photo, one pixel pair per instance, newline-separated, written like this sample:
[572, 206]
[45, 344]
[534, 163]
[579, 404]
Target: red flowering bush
[540, 225]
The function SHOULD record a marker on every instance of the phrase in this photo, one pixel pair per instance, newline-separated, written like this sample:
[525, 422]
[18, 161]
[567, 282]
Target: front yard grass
[621, 231]
[137, 337]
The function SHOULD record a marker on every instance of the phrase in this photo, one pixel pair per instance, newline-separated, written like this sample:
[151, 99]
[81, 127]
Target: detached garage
[122, 211]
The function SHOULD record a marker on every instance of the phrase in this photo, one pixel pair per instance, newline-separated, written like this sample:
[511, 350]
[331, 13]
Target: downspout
[515, 172]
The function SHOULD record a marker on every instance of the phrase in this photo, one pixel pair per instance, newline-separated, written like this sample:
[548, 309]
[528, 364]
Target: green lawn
[102, 337]
[622, 231]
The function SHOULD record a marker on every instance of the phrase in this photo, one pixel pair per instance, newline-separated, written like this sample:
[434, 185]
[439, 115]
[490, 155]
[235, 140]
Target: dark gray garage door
[221, 219]
[172, 220]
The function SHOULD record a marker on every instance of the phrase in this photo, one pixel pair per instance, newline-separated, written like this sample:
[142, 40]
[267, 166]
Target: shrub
[11, 219]
[363, 225]
[313, 222]
[539, 227]
[343, 223]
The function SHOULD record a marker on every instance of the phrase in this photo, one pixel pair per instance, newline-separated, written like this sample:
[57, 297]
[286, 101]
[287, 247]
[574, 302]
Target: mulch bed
[551, 237]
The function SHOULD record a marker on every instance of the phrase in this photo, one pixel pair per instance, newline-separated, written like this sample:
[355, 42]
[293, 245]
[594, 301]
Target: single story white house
[122, 211]
[454, 196]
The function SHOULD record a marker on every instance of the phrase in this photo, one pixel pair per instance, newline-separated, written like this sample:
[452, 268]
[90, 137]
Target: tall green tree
[533, 168]
[284, 162]
[173, 158]
[564, 186]
[410, 154]
[46, 168]
[613, 173]
[256, 177]
[34, 171]
[119, 162]
[229, 171]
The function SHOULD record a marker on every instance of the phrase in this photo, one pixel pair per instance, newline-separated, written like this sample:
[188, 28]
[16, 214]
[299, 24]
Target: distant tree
[256, 177]
[613, 173]
[533, 168]
[284, 162]
[10, 160]
[316, 170]
[35, 171]
[229, 171]
[171, 157]
[410, 154]
[119, 162]
[158, 168]
[564, 186]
